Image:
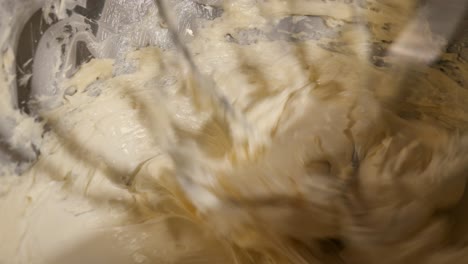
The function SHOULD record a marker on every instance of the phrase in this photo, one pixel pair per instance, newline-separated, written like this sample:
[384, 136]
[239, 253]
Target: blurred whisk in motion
[282, 131]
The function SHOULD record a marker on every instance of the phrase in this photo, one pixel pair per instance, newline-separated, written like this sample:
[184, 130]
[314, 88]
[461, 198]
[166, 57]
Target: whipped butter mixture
[305, 158]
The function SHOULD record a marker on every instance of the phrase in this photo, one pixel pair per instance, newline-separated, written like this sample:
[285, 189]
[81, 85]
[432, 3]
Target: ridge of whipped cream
[137, 167]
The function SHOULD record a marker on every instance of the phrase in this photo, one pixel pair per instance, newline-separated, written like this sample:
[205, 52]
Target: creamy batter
[315, 167]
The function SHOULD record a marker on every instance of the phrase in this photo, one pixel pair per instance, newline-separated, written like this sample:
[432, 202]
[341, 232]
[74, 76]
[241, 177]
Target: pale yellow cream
[133, 169]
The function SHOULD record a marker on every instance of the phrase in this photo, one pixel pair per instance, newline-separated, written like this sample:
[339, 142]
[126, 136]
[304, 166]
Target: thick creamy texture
[143, 167]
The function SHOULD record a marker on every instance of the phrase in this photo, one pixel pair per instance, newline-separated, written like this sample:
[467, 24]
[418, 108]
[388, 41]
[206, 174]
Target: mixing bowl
[45, 43]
